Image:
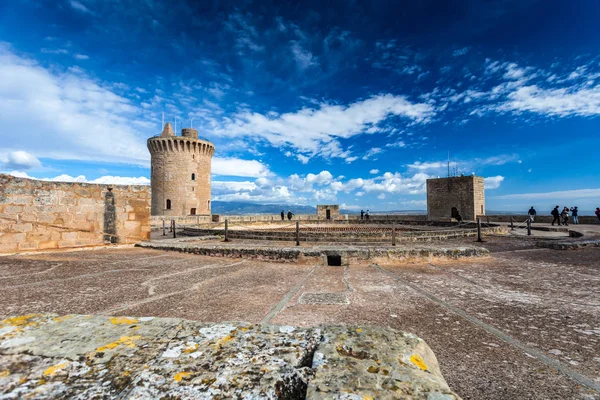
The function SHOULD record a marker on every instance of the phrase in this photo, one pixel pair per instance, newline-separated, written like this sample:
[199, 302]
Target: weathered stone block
[13, 209]
[68, 235]
[28, 245]
[25, 200]
[22, 227]
[50, 244]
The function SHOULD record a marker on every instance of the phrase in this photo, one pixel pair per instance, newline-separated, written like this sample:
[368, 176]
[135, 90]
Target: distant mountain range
[241, 208]
[244, 208]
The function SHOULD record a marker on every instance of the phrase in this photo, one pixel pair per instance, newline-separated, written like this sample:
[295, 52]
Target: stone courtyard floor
[523, 323]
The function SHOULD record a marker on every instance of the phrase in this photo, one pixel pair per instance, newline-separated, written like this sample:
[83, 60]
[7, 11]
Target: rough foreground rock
[85, 357]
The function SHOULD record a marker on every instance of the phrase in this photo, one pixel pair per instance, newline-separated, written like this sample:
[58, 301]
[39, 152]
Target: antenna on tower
[448, 164]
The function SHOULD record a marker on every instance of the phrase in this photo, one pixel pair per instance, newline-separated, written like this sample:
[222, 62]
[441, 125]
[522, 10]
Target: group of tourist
[364, 215]
[290, 214]
[562, 217]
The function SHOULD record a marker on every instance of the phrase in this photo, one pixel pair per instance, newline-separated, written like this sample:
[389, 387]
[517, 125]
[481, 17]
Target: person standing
[598, 214]
[282, 215]
[362, 215]
[556, 214]
[290, 215]
[575, 214]
[565, 215]
[531, 213]
[367, 215]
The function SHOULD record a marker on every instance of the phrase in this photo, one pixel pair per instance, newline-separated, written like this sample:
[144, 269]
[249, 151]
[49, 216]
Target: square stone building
[462, 194]
[328, 211]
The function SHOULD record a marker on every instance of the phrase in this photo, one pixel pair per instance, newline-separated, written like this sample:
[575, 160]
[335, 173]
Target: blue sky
[355, 103]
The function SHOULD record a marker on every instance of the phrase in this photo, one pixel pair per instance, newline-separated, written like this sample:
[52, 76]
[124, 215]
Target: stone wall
[334, 211]
[466, 193]
[38, 215]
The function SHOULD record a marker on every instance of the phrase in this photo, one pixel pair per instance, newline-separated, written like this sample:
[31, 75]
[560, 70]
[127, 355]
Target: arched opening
[208, 205]
[168, 204]
[193, 211]
[193, 177]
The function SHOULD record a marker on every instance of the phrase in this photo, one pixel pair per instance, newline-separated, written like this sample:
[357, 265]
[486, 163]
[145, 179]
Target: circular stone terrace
[340, 232]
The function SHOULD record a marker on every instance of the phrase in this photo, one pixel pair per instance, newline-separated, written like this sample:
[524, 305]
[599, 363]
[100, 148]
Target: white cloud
[374, 171]
[82, 57]
[399, 144]
[381, 196]
[67, 115]
[581, 101]
[54, 51]
[321, 178]
[303, 159]
[493, 182]
[317, 130]
[80, 7]
[425, 166]
[105, 180]
[304, 58]
[463, 165]
[460, 52]
[20, 160]
[390, 183]
[238, 167]
[372, 152]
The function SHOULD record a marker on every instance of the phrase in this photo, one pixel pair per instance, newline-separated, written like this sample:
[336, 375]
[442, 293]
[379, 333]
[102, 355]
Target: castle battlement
[180, 172]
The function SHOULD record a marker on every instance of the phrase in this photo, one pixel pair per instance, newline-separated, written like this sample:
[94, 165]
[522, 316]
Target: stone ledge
[568, 244]
[81, 357]
[294, 254]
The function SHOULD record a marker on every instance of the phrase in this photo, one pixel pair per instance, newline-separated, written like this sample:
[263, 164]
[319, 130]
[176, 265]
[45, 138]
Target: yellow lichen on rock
[51, 371]
[4, 373]
[181, 375]
[222, 341]
[61, 319]
[123, 320]
[418, 361]
[128, 341]
[23, 320]
[192, 348]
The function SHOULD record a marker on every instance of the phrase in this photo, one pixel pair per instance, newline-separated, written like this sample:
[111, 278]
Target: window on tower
[193, 177]
[168, 204]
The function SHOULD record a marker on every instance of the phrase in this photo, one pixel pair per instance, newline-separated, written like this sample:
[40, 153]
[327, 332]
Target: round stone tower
[180, 173]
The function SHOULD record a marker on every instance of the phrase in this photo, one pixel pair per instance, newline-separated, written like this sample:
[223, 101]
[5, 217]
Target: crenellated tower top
[187, 142]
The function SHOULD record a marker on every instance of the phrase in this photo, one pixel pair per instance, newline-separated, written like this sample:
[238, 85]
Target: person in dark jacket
[575, 214]
[362, 214]
[531, 213]
[565, 216]
[556, 214]
[290, 215]
[598, 214]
